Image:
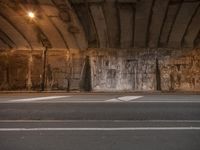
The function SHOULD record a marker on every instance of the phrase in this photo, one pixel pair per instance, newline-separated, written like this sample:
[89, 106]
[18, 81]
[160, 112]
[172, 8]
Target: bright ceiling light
[31, 15]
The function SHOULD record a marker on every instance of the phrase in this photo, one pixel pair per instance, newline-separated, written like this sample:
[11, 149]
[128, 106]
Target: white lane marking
[118, 101]
[110, 121]
[124, 99]
[102, 129]
[105, 101]
[37, 98]
[113, 100]
[165, 101]
[129, 98]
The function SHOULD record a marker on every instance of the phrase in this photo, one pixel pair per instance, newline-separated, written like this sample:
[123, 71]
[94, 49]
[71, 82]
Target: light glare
[31, 15]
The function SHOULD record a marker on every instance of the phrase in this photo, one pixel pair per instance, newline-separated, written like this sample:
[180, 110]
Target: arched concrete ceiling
[79, 24]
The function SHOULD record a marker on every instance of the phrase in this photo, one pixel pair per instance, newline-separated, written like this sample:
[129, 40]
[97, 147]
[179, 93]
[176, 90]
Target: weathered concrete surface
[122, 70]
[158, 15]
[110, 70]
[78, 25]
[168, 23]
[181, 72]
[143, 10]
[62, 69]
[126, 13]
[182, 21]
[193, 30]
[111, 45]
[100, 23]
[135, 70]
[10, 31]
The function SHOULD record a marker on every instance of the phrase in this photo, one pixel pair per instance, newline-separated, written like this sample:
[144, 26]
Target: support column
[68, 69]
[29, 80]
[6, 84]
[44, 68]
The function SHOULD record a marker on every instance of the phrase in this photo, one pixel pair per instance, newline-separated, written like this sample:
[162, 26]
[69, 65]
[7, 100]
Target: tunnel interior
[100, 45]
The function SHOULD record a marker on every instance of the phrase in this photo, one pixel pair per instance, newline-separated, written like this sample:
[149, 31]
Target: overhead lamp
[31, 15]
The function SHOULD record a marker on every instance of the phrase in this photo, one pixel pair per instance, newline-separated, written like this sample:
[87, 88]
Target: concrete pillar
[29, 80]
[44, 54]
[6, 84]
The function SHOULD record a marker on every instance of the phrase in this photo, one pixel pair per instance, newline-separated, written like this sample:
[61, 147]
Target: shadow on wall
[86, 75]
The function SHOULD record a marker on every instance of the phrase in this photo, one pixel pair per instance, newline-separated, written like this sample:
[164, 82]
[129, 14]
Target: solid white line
[109, 121]
[150, 101]
[103, 101]
[102, 129]
[165, 101]
[37, 98]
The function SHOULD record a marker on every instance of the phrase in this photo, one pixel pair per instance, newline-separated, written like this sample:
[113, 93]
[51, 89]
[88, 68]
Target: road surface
[99, 121]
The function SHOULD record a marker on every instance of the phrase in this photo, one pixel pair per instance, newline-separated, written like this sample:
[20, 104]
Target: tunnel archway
[133, 45]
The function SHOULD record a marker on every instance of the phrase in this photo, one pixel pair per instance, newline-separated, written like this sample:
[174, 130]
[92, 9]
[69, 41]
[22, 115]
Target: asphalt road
[94, 98]
[98, 135]
[99, 121]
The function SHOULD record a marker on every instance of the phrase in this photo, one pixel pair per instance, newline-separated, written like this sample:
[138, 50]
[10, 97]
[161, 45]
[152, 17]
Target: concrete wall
[13, 70]
[22, 70]
[145, 70]
[103, 70]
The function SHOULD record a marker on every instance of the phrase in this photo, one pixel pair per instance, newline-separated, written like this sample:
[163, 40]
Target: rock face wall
[102, 70]
[145, 70]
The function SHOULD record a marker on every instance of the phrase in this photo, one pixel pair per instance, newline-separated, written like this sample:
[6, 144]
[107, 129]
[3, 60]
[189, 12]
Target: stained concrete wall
[181, 71]
[123, 70]
[145, 70]
[102, 69]
[13, 70]
[22, 70]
